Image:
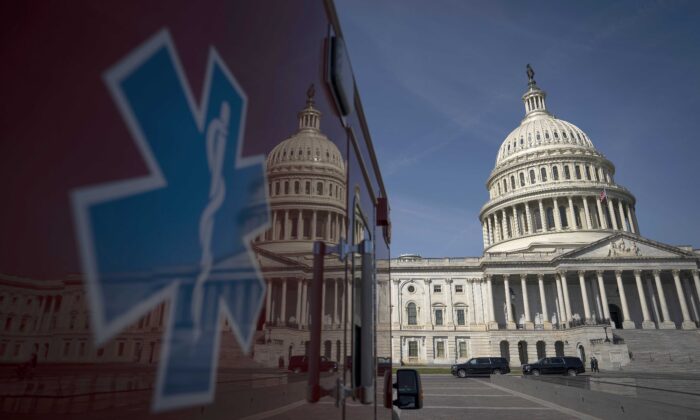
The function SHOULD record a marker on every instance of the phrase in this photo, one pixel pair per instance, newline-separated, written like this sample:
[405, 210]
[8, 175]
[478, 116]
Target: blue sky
[441, 83]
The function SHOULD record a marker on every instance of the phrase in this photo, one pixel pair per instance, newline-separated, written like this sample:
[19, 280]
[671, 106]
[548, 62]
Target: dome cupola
[550, 187]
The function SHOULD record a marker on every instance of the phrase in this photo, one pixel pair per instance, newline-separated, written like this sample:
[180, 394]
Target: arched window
[543, 174]
[522, 179]
[559, 348]
[550, 217]
[327, 349]
[412, 313]
[522, 352]
[512, 182]
[578, 172]
[546, 135]
[538, 220]
[319, 188]
[277, 188]
[532, 176]
[588, 173]
[577, 216]
[555, 173]
[307, 188]
[286, 187]
[556, 135]
[567, 173]
[296, 187]
[541, 349]
[562, 216]
[505, 349]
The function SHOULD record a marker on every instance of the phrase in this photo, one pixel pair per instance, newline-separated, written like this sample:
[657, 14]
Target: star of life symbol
[182, 232]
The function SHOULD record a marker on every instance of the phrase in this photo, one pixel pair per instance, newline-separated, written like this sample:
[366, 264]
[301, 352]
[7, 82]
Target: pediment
[625, 246]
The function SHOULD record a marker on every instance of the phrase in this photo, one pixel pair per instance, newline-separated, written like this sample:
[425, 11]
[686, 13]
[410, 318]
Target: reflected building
[563, 258]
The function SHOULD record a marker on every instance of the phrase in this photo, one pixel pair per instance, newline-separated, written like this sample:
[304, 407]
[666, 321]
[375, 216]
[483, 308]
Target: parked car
[298, 364]
[571, 366]
[481, 366]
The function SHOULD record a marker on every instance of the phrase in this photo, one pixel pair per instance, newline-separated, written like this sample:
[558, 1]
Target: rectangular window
[437, 288]
[412, 349]
[438, 317]
[567, 173]
[66, 348]
[121, 349]
[460, 316]
[459, 288]
[440, 347]
[462, 349]
[588, 173]
[578, 172]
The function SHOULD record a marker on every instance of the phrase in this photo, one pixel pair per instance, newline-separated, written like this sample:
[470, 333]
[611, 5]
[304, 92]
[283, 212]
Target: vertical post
[509, 311]
[543, 300]
[687, 324]
[526, 301]
[627, 323]
[666, 323]
[646, 322]
[584, 295]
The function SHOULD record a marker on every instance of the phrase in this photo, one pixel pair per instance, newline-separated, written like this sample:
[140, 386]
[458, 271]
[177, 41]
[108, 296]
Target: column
[572, 221]
[429, 309]
[344, 299]
[491, 236]
[528, 221]
[328, 226]
[283, 310]
[687, 324]
[510, 324]
[647, 323]
[335, 302]
[300, 219]
[298, 308]
[304, 304]
[288, 224]
[627, 323]
[268, 304]
[593, 286]
[584, 296]
[543, 219]
[636, 223]
[274, 225]
[484, 234]
[587, 212]
[543, 303]
[314, 214]
[557, 216]
[622, 216]
[613, 220]
[629, 217]
[565, 289]
[601, 216]
[497, 227]
[561, 311]
[689, 290]
[504, 224]
[526, 302]
[696, 280]
[666, 322]
[323, 302]
[492, 313]
[516, 221]
[652, 295]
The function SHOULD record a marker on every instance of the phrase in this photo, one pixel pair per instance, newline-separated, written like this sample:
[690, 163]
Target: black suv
[481, 366]
[571, 366]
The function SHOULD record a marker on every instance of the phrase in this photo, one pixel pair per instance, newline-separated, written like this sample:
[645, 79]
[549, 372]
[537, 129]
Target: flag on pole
[603, 195]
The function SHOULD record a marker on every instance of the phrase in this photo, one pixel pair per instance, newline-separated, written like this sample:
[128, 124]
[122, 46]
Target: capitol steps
[662, 350]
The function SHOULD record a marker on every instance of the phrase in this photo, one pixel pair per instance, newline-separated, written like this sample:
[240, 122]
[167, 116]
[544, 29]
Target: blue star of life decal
[182, 232]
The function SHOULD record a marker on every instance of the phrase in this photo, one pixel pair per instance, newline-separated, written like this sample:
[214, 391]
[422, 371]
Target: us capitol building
[565, 268]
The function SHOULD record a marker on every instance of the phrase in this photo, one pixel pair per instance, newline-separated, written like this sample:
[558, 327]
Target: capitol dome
[550, 188]
[306, 185]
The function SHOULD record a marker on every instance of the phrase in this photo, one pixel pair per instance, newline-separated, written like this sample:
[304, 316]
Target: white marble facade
[563, 258]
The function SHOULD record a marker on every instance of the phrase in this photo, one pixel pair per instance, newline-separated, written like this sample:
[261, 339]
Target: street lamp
[605, 328]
